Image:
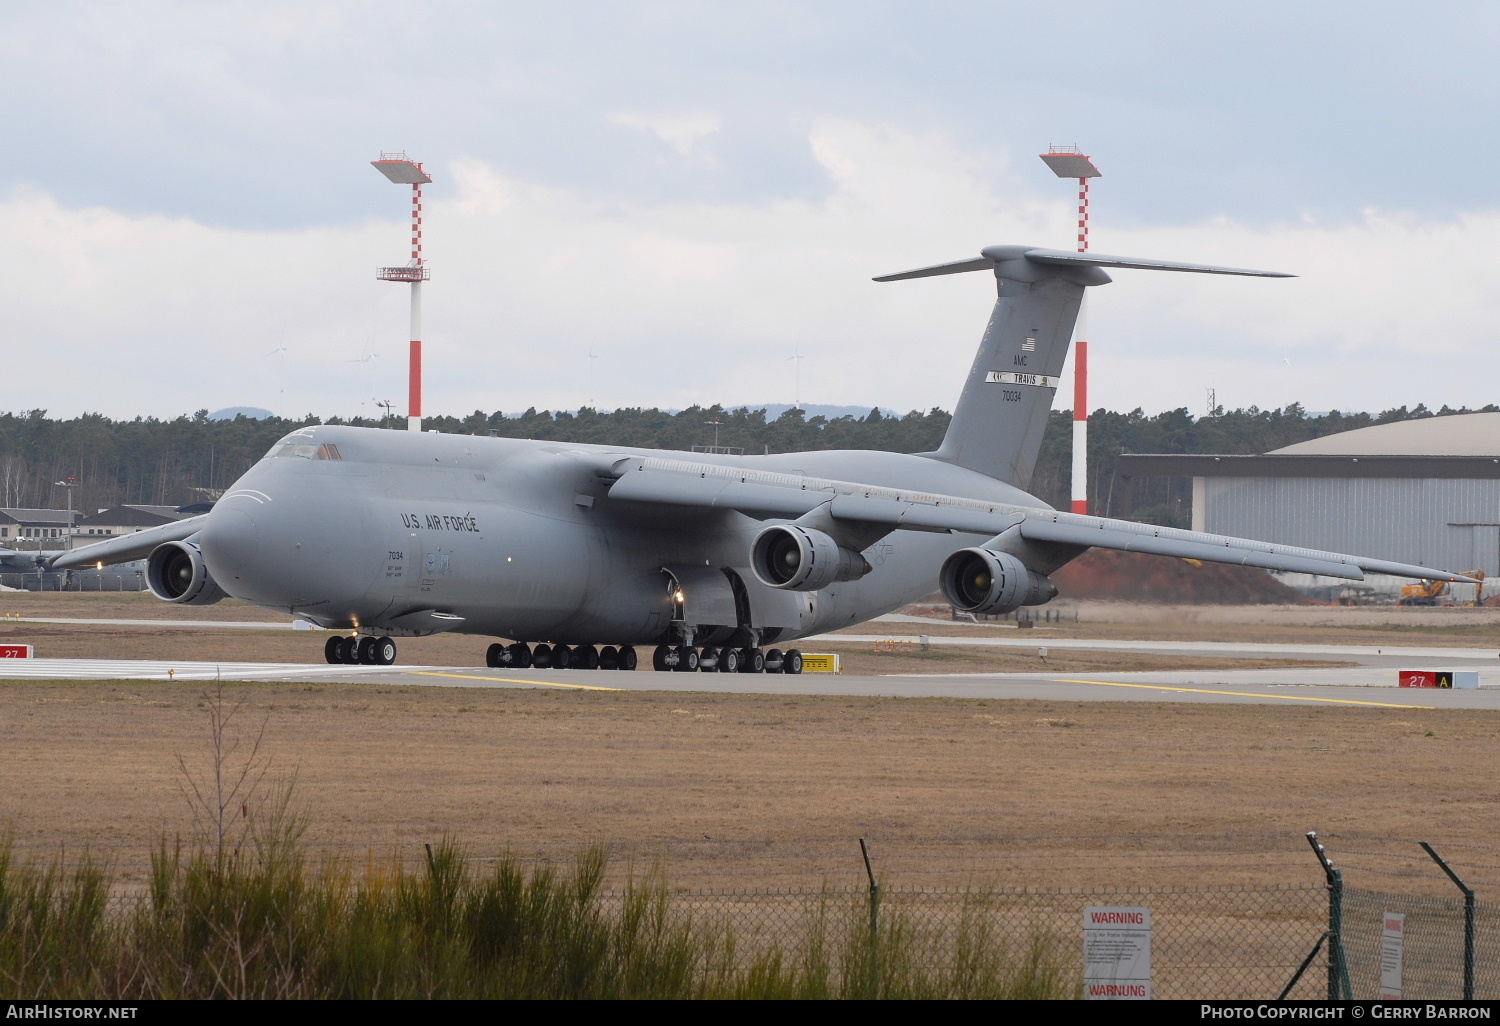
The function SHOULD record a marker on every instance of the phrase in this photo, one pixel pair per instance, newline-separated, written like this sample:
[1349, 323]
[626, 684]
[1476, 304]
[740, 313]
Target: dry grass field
[743, 791]
[127, 605]
[738, 790]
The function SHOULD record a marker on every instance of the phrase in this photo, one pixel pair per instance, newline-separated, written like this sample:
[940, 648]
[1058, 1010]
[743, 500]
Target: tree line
[192, 458]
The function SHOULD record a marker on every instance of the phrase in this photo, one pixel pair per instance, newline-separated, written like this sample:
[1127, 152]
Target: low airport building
[35, 527]
[48, 528]
[1418, 491]
[118, 520]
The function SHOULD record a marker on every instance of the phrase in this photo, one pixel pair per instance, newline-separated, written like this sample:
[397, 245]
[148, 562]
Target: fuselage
[407, 533]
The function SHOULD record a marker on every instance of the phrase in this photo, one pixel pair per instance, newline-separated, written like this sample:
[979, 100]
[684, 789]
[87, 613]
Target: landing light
[677, 595]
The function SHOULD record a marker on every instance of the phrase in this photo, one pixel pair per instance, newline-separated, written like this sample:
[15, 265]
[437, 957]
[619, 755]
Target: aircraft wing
[130, 546]
[768, 495]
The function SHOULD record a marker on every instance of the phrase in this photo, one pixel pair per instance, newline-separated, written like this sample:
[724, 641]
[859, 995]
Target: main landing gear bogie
[686, 659]
[360, 650]
[521, 656]
[665, 658]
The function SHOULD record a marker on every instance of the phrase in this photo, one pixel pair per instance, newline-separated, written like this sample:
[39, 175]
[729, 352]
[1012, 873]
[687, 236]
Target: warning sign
[1392, 952]
[1116, 953]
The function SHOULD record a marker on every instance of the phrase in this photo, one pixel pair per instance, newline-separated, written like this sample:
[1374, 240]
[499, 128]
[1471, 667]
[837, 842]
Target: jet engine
[981, 581]
[803, 559]
[175, 573]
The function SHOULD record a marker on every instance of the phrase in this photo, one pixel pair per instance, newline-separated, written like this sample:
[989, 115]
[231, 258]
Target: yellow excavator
[1428, 593]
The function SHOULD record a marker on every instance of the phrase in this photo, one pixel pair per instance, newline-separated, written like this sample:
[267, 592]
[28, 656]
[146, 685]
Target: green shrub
[265, 921]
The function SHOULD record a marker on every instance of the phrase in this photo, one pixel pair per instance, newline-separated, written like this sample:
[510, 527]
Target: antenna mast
[404, 171]
[1071, 162]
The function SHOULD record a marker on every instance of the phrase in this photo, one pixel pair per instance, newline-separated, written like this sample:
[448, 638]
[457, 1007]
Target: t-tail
[1000, 417]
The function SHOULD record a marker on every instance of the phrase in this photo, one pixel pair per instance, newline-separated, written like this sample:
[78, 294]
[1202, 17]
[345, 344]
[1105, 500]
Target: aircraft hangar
[1419, 491]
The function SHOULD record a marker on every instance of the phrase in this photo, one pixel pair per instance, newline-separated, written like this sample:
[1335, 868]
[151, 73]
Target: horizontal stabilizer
[1065, 257]
[991, 256]
[957, 267]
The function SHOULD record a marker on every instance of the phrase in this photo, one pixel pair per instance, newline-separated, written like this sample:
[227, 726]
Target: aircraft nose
[270, 544]
[230, 542]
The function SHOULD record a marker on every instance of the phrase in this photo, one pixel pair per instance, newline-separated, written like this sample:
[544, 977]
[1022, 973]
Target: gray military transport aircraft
[580, 554]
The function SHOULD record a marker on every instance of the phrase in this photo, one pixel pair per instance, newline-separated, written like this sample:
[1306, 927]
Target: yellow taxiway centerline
[508, 680]
[1243, 694]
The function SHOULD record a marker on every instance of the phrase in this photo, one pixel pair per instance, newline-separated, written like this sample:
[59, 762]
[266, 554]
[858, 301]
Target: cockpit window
[327, 451]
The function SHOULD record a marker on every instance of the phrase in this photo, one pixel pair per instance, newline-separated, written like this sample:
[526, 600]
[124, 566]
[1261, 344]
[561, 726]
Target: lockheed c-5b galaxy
[579, 555]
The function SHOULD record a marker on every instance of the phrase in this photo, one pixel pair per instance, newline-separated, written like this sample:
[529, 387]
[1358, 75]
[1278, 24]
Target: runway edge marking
[509, 680]
[1240, 694]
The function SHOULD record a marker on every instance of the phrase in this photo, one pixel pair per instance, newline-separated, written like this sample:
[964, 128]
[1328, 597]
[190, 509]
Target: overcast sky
[697, 192]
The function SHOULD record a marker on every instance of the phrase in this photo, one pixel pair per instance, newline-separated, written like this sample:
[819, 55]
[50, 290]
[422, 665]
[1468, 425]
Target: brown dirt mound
[1133, 576]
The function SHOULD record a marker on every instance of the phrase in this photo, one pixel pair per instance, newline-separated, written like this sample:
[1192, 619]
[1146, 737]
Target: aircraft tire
[752, 660]
[687, 659]
[562, 657]
[659, 658]
[365, 651]
[774, 661]
[349, 650]
[493, 657]
[385, 651]
[541, 657]
[520, 655]
[585, 657]
[792, 661]
[625, 660]
[729, 660]
[333, 649]
[608, 658]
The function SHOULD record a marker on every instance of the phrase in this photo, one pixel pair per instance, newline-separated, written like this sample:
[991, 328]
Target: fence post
[872, 960]
[1339, 988]
[1468, 920]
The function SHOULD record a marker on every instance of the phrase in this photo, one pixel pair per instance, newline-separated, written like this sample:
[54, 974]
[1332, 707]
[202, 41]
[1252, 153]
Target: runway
[1371, 682]
[1396, 657]
[1363, 686]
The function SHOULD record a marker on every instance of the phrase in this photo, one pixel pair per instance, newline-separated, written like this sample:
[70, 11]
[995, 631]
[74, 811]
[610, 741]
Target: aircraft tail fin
[1001, 415]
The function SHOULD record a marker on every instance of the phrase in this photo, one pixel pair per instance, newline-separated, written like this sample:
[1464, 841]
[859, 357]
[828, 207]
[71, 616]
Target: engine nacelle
[803, 559]
[175, 573]
[981, 581]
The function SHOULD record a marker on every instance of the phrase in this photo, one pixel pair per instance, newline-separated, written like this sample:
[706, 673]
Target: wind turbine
[368, 362]
[796, 359]
[281, 372]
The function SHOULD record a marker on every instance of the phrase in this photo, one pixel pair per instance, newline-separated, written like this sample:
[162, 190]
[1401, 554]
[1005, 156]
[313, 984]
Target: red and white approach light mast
[1071, 162]
[404, 171]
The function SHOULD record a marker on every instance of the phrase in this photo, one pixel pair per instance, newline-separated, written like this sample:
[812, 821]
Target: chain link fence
[1206, 944]
[1212, 944]
[1258, 943]
[76, 580]
[1435, 950]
